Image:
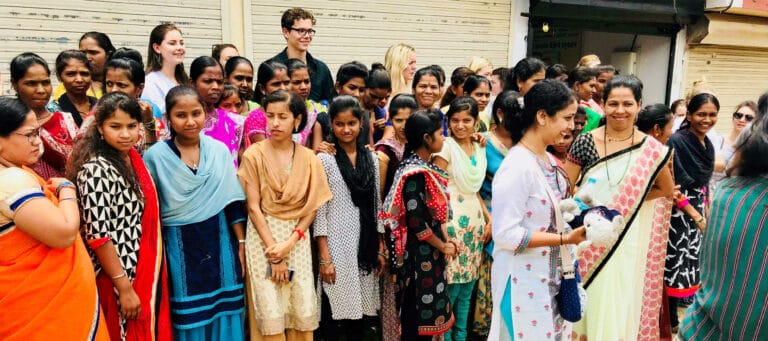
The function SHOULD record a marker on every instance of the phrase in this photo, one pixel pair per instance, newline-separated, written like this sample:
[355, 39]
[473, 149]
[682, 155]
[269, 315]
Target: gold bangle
[119, 276]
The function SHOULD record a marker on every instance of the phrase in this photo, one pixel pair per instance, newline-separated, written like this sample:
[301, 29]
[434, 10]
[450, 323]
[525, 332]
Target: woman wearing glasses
[48, 288]
[744, 114]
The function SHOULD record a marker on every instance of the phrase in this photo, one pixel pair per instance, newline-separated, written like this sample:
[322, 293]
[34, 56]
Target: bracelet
[561, 238]
[150, 126]
[700, 220]
[64, 184]
[241, 241]
[683, 203]
[382, 254]
[70, 198]
[278, 262]
[119, 276]
[300, 233]
[326, 262]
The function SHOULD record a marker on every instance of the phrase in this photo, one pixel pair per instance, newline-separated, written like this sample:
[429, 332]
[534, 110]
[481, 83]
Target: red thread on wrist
[301, 234]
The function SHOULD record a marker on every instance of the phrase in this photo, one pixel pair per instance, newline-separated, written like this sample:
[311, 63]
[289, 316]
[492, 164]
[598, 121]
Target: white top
[521, 206]
[355, 293]
[156, 86]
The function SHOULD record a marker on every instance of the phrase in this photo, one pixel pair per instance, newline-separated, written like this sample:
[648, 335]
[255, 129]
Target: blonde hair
[590, 60]
[478, 63]
[395, 61]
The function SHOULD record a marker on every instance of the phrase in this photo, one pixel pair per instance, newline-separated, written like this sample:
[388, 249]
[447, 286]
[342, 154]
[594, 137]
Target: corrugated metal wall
[447, 33]
[734, 74]
[48, 27]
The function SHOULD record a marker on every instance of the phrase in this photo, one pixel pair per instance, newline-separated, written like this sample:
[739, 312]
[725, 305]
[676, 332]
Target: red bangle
[301, 234]
[682, 204]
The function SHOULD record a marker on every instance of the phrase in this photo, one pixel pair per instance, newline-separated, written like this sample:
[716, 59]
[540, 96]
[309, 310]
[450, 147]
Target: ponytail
[548, 95]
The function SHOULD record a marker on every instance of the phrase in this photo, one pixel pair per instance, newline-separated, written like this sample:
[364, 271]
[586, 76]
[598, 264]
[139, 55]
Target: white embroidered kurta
[520, 206]
[355, 293]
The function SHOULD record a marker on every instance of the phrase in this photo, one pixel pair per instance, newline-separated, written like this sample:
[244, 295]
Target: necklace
[542, 161]
[611, 139]
[194, 165]
[629, 159]
[43, 120]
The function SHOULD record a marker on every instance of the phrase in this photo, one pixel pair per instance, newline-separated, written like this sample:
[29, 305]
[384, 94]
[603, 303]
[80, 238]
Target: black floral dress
[425, 308]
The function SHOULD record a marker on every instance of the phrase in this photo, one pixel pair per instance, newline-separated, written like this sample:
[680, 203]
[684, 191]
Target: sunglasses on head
[748, 118]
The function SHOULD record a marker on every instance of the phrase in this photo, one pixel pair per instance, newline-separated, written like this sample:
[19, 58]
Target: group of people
[275, 203]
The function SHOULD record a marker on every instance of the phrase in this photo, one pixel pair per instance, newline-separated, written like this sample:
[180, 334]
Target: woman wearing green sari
[630, 170]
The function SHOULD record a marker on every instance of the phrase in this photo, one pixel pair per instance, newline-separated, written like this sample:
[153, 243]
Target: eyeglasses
[31, 136]
[737, 115]
[304, 32]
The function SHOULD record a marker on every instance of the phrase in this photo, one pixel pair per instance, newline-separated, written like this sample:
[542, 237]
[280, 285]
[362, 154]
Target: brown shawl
[285, 196]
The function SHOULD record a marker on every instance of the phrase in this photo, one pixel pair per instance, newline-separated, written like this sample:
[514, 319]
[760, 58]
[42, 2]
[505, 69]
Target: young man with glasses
[298, 30]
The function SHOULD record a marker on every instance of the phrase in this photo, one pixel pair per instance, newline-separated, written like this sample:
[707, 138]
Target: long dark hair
[296, 105]
[102, 40]
[506, 102]
[92, 144]
[13, 113]
[22, 62]
[696, 103]
[548, 95]
[523, 70]
[265, 74]
[420, 123]
[458, 77]
[653, 115]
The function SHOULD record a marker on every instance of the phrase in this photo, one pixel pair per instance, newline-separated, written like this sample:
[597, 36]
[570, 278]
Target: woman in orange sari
[47, 286]
[121, 222]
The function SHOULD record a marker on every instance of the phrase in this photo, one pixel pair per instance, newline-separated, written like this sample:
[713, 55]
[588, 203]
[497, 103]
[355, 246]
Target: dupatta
[58, 135]
[637, 167]
[151, 279]
[186, 197]
[284, 195]
[393, 210]
[467, 176]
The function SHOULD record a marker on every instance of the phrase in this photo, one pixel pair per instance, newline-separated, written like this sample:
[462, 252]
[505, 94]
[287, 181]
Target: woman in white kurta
[526, 269]
[350, 243]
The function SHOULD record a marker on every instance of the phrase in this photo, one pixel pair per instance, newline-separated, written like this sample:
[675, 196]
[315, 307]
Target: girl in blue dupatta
[203, 214]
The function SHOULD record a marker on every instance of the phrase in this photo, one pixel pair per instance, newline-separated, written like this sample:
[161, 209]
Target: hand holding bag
[571, 298]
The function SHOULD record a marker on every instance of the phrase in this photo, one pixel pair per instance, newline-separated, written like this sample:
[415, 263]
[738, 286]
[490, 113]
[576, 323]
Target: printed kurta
[525, 280]
[355, 292]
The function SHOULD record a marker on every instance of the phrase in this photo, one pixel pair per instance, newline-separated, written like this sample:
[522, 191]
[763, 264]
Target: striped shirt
[731, 303]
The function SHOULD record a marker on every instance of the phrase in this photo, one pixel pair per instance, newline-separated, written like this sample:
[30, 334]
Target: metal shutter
[48, 27]
[735, 74]
[446, 33]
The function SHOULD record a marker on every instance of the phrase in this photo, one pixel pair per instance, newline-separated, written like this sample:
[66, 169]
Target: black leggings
[333, 329]
[409, 317]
